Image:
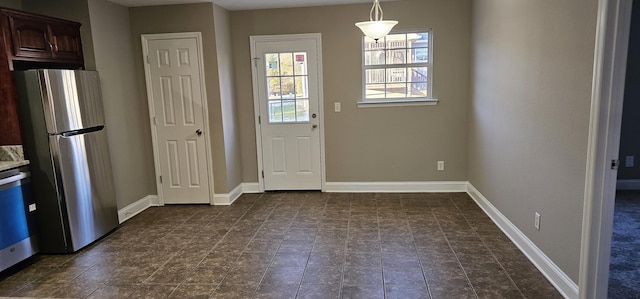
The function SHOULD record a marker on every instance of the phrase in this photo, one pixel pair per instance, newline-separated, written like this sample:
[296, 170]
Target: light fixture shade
[376, 29]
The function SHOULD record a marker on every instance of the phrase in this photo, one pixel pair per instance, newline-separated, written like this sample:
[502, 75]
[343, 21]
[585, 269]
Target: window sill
[397, 103]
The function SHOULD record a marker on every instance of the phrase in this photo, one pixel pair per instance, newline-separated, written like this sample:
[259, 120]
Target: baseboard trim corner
[547, 267]
[137, 207]
[227, 199]
[628, 185]
[250, 188]
[397, 187]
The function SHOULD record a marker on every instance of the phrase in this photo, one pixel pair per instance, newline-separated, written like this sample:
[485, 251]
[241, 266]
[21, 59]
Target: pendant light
[376, 28]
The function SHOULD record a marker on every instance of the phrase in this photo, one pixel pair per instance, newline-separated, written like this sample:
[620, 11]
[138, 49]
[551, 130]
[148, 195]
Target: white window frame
[390, 102]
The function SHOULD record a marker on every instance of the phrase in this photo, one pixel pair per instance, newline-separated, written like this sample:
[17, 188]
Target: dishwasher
[18, 239]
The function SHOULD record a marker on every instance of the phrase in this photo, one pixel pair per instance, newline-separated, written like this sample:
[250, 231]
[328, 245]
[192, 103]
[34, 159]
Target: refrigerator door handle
[81, 131]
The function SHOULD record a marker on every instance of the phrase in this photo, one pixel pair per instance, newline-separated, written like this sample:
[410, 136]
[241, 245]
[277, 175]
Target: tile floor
[295, 245]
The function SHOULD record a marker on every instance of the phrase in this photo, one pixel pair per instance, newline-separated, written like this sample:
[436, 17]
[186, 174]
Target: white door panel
[286, 77]
[179, 119]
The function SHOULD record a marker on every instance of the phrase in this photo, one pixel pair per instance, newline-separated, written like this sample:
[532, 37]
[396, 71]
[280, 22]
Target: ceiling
[244, 4]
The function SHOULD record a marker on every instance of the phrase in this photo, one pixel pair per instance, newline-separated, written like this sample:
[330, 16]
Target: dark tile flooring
[295, 245]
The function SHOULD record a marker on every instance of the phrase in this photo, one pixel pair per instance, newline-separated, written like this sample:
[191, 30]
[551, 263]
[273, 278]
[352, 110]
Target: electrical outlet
[337, 107]
[536, 223]
[440, 165]
[628, 161]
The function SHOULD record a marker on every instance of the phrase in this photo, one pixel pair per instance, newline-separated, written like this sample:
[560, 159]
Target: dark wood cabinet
[65, 39]
[43, 39]
[31, 41]
[30, 38]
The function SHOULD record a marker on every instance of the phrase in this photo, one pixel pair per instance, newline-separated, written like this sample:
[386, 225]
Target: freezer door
[86, 183]
[72, 99]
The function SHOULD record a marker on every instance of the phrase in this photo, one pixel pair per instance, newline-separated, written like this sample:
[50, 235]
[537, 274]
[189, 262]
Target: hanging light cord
[378, 11]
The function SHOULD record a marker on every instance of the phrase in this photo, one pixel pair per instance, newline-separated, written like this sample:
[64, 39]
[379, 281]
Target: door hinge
[155, 123]
[148, 60]
[263, 174]
[259, 120]
[614, 164]
[160, 179]
[255, 61]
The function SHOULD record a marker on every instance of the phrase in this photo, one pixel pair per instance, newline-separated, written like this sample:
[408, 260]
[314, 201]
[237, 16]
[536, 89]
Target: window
[397, 68]
[287, 87]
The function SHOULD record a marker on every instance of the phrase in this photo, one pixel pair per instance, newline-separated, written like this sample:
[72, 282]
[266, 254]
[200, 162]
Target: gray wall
[222, 22]
[187, 18]
[371, 144]
[630, 137]
[73, 10]
[532, 72]
[15, 4]
[128, 131]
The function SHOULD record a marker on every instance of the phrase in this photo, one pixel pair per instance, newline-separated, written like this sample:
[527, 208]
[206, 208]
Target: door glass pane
[302, 110]
[273, 88]
[287, 88]
[286, 64]
[302, 87]
[300, 63]
[273, 64]
[289, 110]
[275, 111]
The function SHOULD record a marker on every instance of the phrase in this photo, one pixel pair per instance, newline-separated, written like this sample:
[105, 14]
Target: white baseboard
[628, 185]
[250, 188]
[391, 187]
[227, 198]
[547, 267]
[137, 207]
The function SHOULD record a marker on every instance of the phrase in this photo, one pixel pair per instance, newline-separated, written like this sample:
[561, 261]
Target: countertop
[6, 165]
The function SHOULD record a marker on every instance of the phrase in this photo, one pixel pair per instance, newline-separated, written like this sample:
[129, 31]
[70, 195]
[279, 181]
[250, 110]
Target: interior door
[178, 104]
[286, 74]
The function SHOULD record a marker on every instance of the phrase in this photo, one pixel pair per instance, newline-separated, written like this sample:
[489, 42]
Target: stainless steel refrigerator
[65, 139]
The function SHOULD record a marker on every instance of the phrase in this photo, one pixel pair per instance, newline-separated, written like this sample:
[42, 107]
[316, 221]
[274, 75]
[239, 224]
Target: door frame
[607, 96]
[317, 38]
[145, 38]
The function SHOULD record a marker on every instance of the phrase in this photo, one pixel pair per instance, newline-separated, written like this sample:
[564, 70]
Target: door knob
[199, 132]
[314, 126]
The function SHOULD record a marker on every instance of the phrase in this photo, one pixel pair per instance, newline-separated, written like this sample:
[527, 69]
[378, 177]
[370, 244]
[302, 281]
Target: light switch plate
[337, 106]
[32, 207]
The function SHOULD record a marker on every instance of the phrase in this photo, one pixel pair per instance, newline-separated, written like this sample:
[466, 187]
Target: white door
[287, 95]
[175, 86]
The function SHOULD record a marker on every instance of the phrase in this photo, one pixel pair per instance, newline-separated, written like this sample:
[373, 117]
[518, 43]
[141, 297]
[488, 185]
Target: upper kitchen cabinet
[38, 38]
[31, 41]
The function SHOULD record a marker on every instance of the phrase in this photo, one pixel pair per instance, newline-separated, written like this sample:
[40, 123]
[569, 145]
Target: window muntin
[397, 67]
[287, 87]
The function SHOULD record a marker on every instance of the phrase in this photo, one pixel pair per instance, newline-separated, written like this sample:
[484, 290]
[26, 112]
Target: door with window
[286, 79]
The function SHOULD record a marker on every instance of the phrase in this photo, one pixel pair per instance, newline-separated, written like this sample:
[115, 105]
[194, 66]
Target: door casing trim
[145, 38]
[607, 97]
[317, 37]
